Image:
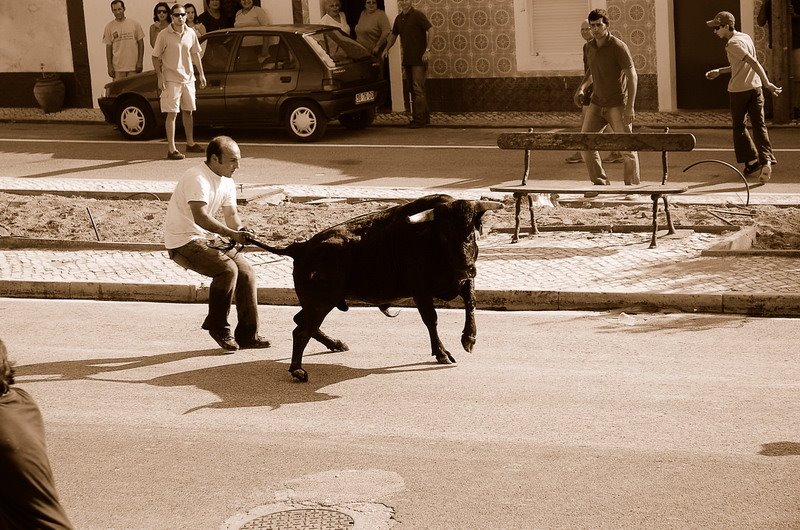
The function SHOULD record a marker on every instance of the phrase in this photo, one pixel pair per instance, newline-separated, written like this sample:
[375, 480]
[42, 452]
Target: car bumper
[344, 101]
[106, 107]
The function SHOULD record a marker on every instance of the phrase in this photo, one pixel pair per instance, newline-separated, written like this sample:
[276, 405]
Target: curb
[755, 304]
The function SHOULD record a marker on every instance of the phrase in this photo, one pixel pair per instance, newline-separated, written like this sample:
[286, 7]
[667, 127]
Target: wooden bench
[533, 141]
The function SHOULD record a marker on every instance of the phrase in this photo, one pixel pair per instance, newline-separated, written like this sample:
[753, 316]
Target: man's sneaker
[614, 158]
[256, 342]
[175, 155]
[224, 339]
[751, 170]
[766, 172]
[195, 148]
[574, 159]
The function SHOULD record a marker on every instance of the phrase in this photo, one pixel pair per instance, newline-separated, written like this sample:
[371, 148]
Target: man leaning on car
[176, 52]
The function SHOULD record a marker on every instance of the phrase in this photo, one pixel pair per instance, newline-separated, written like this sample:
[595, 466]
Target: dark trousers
[414, 79]
[751, 104]
[231, 274]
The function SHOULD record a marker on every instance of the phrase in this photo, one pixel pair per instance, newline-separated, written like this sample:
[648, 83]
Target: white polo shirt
[175, 51]
[201, 184]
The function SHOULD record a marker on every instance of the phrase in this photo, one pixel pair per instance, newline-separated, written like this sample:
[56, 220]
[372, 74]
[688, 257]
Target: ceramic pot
[49, 93]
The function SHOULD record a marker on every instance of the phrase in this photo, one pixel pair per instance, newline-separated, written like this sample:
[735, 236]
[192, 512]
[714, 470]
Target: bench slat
[614, 189]
[598, 141]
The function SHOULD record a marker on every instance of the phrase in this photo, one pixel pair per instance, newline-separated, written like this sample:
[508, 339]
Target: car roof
[297, 29]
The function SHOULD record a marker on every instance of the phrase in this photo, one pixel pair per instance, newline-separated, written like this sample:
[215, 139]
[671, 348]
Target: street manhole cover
[308, 519]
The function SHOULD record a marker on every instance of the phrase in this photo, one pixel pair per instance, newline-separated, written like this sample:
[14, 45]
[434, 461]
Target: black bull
[424, 249]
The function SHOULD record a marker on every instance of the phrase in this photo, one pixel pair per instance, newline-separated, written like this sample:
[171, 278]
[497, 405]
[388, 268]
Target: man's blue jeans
[595, 119]
[750, 103]
[231, 274]
[414, 77]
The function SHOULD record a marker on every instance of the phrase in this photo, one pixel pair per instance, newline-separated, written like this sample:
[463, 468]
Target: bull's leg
[470, 332]
[308, 321]
[318, 335]
[428, 313]
[329, 342]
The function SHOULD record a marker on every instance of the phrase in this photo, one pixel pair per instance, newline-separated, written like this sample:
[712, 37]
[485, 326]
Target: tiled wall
[473, 64]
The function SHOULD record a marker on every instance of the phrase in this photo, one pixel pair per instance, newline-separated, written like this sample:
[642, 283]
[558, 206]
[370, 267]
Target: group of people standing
[607, 94]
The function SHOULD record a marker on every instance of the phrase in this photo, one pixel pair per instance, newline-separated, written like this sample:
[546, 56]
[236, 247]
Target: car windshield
[335, 48]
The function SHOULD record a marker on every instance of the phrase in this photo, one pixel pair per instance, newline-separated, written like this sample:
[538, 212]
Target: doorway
[698, 50]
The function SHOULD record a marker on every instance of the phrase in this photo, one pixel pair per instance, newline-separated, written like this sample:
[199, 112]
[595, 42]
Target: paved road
[557, 420]
[380, 156]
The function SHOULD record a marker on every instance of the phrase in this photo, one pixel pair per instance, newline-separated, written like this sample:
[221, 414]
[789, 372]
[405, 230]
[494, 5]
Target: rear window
[335, 48]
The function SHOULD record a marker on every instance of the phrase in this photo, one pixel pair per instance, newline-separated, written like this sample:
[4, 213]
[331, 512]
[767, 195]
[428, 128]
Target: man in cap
[746, 97]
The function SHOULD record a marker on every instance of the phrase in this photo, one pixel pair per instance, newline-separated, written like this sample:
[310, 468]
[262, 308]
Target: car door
[217, 51]
[263, 70]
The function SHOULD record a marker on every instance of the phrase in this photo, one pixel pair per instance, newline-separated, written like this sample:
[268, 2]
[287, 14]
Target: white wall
[27, 28]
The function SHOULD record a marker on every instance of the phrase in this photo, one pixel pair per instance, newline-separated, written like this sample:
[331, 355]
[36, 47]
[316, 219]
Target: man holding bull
[191, 236]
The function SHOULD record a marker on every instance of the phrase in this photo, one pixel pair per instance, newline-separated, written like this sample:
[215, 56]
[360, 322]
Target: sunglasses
[161, 12]
[178, 14]
[596, 24]
[716, 28]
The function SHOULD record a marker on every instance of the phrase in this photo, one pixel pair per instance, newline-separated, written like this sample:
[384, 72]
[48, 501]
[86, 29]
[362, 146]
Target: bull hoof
[339, 346]
[445, 358]
[468, 342]
[299, 375]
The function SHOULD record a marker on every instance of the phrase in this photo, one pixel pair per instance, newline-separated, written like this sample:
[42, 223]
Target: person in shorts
[176, 53]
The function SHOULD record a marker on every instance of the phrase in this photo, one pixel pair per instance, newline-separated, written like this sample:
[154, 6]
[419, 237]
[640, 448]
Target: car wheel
[358, 120]
[305, 121]
[135, 120]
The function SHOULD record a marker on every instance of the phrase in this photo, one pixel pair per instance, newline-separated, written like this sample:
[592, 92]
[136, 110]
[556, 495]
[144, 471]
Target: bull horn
[482, 206]
[421, 217]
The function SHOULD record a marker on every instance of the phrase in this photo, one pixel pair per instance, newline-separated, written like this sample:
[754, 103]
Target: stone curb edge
[754, 304]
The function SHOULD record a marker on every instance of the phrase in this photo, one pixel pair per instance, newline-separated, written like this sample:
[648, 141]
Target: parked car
[295, 76]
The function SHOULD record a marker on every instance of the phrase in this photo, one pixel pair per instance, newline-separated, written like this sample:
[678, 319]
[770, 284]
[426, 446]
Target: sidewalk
[554, 270]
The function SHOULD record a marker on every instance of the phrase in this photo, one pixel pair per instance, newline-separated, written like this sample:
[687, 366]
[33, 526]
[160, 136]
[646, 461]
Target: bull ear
[421, 217]
[482, 206]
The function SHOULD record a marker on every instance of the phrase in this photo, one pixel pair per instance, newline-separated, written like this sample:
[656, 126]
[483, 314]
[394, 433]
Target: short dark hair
[117, 2]
[6, 370]
[217, 145]
[176, 6]
[155, 10]
[597, 14]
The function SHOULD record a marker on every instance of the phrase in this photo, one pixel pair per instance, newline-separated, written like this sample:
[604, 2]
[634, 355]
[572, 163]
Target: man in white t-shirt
[746, 97]
[124, 40]
[191, 236]
[176, 54]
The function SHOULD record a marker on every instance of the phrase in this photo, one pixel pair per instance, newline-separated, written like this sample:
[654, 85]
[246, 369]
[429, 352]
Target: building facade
[487, 55]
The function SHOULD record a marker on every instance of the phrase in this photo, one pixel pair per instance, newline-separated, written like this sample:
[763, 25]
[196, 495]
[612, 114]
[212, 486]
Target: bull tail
[285, 251]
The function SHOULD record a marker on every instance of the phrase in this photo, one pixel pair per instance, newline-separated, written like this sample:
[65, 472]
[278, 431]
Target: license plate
[365, 97]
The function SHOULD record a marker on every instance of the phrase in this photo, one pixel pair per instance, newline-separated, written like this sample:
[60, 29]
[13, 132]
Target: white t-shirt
[175, 51]
[743, 77]
[123, 37]
[201, 184]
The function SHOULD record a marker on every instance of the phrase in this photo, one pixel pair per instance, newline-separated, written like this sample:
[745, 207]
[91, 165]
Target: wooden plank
[597, 141]
[615, 189]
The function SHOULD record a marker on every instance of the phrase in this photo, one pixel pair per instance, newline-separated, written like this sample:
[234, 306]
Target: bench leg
[517, 211]
[670, 226]
[655, 220]
[534, 226]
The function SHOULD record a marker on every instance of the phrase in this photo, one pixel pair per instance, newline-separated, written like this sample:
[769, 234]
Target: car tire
[135, 120]
[358, 120]
[305, 121]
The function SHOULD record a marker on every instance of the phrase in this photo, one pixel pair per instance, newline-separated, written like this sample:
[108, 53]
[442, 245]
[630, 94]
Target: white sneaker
[766, 172]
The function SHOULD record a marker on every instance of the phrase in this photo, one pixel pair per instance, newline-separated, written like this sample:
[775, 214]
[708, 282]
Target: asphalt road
[379, 156]
[556, 420]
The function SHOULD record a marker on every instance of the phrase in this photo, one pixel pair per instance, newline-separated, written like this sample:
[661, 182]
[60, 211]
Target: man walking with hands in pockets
[176, 53]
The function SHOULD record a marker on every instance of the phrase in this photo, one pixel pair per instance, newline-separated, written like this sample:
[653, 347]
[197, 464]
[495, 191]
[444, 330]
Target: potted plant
[49, 91]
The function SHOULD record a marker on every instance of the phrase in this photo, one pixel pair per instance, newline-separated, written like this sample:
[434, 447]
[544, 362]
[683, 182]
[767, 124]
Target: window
[548, 33]
[217, 52]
